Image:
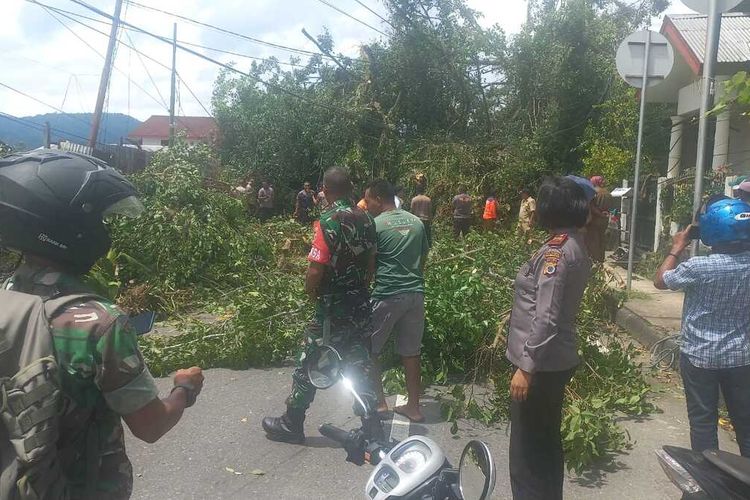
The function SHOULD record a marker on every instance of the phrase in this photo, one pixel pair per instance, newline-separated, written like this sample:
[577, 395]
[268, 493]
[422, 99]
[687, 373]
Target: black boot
[288, 428]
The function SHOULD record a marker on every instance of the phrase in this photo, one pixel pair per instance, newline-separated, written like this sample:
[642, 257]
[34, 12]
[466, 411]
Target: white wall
[152, 141]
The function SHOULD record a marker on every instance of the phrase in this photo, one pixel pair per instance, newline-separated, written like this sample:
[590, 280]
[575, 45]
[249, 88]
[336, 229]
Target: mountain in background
[27, 132]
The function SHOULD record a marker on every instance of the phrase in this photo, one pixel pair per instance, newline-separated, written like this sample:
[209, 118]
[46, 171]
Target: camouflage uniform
[103, 376]
[344, 239]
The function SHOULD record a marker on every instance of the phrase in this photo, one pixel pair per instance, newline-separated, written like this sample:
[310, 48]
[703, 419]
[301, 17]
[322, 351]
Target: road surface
[218, 451]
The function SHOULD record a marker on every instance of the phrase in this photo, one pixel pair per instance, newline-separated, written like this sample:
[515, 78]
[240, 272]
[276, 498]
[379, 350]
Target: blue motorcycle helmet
[725, 221]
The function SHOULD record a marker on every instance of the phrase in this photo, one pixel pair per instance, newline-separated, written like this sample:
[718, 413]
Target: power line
[324, 2]
[49, 10]
[374, 12]
[138, 53]
[40, 128]
[222, 30]
[193, 94]
[229, 52]
[20, 92]
[218, 63]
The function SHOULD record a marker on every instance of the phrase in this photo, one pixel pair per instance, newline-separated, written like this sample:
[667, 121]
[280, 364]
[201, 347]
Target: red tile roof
[195, 127]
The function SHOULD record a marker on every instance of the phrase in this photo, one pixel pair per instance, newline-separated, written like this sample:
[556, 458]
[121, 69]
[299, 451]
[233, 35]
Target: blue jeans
[702, 396]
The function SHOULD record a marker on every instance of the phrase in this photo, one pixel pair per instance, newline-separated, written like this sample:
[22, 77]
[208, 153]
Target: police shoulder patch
[552, 258]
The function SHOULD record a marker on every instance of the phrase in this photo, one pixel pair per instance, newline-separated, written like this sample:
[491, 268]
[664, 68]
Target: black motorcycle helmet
[52, 205]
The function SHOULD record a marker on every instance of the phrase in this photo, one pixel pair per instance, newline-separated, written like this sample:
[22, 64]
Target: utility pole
[172, 121]
[707, 101]
[47, 138]
[106, 72]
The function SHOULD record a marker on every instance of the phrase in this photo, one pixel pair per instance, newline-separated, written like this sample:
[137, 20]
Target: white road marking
[400, 424]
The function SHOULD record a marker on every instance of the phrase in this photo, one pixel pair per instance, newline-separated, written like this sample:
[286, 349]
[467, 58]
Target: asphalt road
[218, 450]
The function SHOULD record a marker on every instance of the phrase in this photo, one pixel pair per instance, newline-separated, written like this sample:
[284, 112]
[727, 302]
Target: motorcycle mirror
[476, 472]
[324, 367]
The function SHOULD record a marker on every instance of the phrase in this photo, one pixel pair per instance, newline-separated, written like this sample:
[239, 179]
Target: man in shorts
[398, 296]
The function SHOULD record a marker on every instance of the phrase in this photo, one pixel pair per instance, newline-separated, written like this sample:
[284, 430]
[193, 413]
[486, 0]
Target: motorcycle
[712, 474]
[413, 469]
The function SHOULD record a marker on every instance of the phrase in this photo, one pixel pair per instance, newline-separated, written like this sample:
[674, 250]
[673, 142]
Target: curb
[638, 327]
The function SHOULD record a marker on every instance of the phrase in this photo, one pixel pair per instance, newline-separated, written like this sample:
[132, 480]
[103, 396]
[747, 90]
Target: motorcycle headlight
[412, 457]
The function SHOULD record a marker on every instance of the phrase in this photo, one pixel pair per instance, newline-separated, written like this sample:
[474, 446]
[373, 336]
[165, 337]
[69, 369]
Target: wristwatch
[192, 394]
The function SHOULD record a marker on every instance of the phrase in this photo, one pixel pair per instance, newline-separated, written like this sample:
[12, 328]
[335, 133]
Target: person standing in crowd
[596, 227]
[306, 201]
[462, 213]
[322, 201]
[398, 198]
[398, 296]
[491, 210]
[542, 341]
[715, 348]
[421, 206]
[101, 372]
[341, 264]
[265, 201]
[527, 213]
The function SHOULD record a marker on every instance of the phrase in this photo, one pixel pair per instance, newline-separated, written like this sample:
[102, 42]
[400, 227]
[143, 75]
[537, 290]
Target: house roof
[194, 127]
[687, 32]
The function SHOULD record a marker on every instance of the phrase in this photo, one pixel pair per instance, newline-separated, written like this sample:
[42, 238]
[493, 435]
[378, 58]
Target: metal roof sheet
[734, 45]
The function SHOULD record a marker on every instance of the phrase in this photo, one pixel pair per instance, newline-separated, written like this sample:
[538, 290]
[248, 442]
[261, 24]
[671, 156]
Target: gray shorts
[402, 314]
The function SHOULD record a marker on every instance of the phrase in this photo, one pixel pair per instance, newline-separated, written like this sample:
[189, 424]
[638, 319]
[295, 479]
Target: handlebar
[333, 432]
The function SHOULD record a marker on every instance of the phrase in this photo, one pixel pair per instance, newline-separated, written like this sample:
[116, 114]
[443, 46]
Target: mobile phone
[695, 232]
[142, 323]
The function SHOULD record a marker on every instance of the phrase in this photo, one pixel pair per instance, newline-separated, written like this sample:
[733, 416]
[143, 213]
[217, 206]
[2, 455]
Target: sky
[58, 61]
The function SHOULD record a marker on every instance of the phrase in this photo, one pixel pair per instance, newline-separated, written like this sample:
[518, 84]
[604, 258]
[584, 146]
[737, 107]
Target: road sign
[703, 6]
[644, 59]
[631, 54]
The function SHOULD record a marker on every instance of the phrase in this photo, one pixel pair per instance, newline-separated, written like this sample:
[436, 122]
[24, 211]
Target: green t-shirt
[402, 246]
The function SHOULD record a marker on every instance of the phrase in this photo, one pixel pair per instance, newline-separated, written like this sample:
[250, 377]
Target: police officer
[51, 208]
[341, 265]
[542, 340]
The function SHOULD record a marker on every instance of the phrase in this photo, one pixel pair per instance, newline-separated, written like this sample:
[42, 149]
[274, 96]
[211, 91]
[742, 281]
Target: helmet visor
[129, 207]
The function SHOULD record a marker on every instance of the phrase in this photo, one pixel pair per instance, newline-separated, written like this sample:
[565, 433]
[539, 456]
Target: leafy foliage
[190, 233]
[447, 98]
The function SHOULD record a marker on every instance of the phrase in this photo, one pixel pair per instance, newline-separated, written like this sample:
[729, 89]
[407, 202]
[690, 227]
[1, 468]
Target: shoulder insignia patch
[551, 261]
[558, 240]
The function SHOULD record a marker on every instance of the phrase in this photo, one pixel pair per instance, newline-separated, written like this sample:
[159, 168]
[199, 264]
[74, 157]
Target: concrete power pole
[172, 121]
[106, 72]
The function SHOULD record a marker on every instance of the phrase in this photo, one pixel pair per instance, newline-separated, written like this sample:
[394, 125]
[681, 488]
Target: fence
[126, 159]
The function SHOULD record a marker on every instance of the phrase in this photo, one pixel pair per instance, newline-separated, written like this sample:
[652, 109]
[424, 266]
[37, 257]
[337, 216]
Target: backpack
[31, 400]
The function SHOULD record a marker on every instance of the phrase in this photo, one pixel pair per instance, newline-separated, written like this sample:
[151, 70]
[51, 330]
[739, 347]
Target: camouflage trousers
[350, 336]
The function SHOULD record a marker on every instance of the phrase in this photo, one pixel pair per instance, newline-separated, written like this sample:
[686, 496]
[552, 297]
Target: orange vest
[362, 204]
[490, 209]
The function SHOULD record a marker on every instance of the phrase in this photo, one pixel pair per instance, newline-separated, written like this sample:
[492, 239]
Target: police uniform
[344, 240]
[103, 376]
[542, 341]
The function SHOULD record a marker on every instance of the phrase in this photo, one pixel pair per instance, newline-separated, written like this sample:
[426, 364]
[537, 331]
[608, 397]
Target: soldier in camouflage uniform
[51, 209]
[342, 260]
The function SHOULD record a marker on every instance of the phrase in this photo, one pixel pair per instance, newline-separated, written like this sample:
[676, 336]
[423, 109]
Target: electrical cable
[49, 10]
[223, 30]
[374, 12]
[151, 78]
[101, 21]
[324, 2]
[39, 127]
[229, 52]
[219, 63]
[43, 103]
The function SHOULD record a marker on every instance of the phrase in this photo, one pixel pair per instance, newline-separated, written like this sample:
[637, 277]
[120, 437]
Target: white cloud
[44, 59]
